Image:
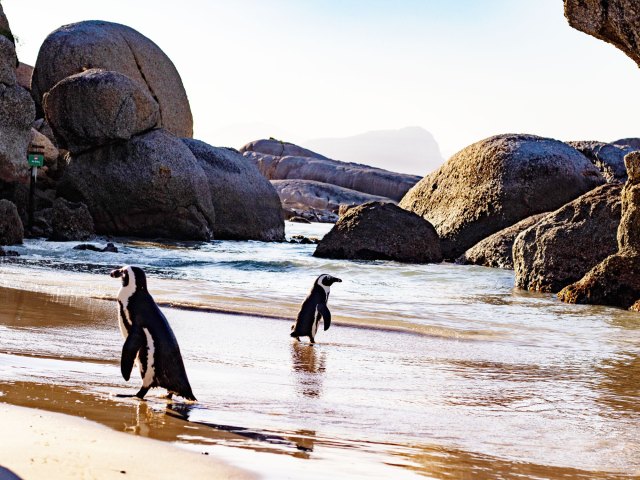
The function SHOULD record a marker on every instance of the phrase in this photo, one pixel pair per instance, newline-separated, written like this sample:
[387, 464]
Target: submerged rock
[80, 46]
[96, 107]
[565, 244]
[319, 201]
[8, 253]
[11, 229]
[299, 220]
[151, 186]
[381, 231]
[246, 204]
[110, 247]
[497, 182]
[497, 250]
[284, 161]
[616, 280]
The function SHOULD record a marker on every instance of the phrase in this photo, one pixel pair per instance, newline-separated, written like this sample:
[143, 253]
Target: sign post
[35, 159]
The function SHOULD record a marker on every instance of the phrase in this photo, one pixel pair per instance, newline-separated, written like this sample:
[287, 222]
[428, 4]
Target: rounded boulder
[381, 231]
[110, 46]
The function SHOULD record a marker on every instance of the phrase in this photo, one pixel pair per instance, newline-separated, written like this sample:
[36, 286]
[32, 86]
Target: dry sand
[35, 444]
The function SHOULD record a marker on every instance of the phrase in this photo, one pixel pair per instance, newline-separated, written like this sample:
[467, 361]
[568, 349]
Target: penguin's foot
[142, 392]
[124, 395]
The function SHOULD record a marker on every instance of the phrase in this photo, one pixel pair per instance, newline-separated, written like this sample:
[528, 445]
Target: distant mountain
[407, 150]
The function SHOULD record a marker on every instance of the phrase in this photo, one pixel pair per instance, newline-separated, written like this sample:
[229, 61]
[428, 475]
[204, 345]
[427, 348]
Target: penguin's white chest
[149, 373]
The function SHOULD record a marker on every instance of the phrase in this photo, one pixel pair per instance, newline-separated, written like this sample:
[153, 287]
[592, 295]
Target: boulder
[614, 21]
[497, 250]
[497, 182]
[96, 107]
[8, 61]
[607, 157]
[11, 229]
[381, 231]
[5, 29]
[565, 244]
[17, 112]
[318, 201]
[8, 253]
[151, 186]
[80, 46]
[24, 73]
[110, 248]
[247, 206]
[634, 143]
[40, 141]
[71, 221]
[616, 280]
[284, 161]
[278, 148]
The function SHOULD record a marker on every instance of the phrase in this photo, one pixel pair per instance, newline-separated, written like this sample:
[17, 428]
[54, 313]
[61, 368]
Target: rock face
[71, 221]
[96, 107]
[381, 231]
[614, 21]
[634, 143]
[497, 182]
[607, 157]
[74, 48]
[246, 204]
[11, 229]
[282, 161]
[24, 73]
[151, 186]
[616, 280]
[497, 250]
[565, 244]
[318, 201]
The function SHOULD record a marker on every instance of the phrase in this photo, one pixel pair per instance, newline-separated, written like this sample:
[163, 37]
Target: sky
[304, 69]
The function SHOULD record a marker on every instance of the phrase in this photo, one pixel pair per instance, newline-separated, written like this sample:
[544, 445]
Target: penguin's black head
[127, 273]
[327, 280]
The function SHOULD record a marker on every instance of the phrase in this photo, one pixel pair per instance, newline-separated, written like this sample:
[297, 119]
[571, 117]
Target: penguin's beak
[335, 279]
[116, 274]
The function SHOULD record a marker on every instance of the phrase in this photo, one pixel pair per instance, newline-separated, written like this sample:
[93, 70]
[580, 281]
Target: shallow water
[461, 377]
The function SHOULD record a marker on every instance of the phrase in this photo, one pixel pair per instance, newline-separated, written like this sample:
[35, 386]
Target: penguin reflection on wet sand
[149, 340]
[314, 307]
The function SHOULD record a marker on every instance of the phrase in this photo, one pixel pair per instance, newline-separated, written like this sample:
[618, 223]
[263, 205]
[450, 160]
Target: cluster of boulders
[313, 186]
[115, 125]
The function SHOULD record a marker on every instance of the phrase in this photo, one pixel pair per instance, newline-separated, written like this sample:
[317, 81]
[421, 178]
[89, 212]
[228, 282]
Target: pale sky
[303, 69]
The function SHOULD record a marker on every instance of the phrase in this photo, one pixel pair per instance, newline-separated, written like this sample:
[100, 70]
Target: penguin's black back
[168, 365]
[307, 313]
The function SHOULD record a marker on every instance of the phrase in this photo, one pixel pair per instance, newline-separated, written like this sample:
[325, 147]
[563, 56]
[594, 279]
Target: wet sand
[376, 404]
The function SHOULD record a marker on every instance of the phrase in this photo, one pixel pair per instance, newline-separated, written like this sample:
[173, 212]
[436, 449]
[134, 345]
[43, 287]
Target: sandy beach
[39, 444]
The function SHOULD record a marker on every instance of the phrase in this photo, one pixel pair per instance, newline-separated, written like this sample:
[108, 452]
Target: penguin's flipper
[130, 349]
[326, 315]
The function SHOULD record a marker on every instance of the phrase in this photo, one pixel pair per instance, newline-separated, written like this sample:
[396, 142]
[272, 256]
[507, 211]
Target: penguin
[149, 340]
[314, 307]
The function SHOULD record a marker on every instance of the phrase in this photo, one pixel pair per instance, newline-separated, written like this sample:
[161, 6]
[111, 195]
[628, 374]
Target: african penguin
[314, 307]
[149, 340]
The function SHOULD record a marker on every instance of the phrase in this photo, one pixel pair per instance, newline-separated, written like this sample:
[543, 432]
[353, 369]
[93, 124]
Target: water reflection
[308, 363]
[619, 385]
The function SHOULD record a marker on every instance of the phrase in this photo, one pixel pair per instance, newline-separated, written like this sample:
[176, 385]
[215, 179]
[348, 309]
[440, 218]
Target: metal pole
[32, 196]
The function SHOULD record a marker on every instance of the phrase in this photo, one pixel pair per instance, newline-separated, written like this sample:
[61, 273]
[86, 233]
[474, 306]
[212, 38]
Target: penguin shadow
[308, 364]
[302, 441]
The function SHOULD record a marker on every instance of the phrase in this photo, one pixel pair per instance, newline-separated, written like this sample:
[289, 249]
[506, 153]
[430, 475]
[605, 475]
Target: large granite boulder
[278, 148]
[246, 204]
[496, 250]
[634, 143]
[17, 112]
[96, 107]
[497, 182]
[318, 201]
[24, 73]
[381, 231]
[80, 46]
[71, 221]
[5, 29]
[283, 161]
[8, 61]
[607, 157]
[150, 186]
[616, 280]
[11, 229]
[567, 243]
[614, 21]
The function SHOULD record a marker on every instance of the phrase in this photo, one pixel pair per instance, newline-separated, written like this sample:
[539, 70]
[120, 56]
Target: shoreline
[44, 444]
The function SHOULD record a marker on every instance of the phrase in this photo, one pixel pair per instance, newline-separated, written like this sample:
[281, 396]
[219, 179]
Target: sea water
[439, 370]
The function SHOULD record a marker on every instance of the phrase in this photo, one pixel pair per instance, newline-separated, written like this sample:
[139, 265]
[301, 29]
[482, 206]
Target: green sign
[36, 160]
